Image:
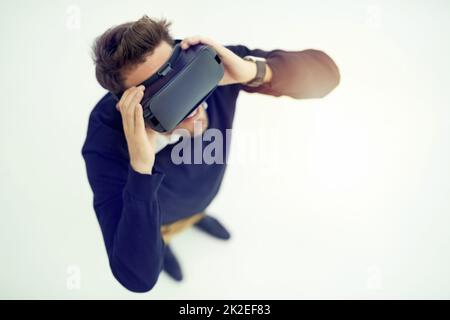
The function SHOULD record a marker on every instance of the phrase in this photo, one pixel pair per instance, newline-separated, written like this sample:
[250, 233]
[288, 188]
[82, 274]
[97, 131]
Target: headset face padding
[183, 82]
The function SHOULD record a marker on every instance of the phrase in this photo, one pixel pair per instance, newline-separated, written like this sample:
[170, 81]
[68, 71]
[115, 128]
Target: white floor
[353, 202]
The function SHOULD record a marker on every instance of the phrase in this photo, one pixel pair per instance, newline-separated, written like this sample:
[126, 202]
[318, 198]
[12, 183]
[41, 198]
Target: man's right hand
[140, 140]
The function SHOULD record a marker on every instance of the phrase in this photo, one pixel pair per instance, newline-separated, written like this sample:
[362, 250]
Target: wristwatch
[260, 71]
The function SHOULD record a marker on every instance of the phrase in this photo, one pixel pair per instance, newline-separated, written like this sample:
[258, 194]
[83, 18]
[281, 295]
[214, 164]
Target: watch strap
[260, 72]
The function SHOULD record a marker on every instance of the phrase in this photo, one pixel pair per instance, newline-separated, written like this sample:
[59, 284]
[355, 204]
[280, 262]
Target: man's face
[139, 73]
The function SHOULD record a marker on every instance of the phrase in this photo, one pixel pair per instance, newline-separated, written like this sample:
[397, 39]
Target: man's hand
[140, 140]
[237, 70]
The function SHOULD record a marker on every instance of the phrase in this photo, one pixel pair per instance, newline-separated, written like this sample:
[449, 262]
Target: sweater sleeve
[298, 74]
[127, 208]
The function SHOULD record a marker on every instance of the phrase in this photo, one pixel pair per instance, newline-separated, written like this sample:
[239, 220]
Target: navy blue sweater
[130, 207]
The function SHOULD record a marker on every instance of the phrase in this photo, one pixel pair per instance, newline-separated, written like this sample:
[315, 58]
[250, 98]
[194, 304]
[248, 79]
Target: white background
[353, 204]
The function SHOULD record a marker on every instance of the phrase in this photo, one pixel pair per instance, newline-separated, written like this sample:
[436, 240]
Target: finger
[139, 125]
[129, 94]
[135, 100]
[128, 99]
[124, 96]
[124, 99]
[126, 130]
[129, 118]
[189, 41]
[223, 52]
[127, 108]
[137, 97]
[121, 106]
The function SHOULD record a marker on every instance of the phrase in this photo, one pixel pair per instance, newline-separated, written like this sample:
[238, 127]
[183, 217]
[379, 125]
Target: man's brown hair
[124, 46]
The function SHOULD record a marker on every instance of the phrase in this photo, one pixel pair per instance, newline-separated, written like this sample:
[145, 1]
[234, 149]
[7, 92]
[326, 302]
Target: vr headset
[183, 82]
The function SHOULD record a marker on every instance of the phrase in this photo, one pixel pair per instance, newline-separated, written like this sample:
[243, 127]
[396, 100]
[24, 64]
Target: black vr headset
[183, 82]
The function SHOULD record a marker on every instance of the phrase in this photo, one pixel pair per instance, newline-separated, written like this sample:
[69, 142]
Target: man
[141, 197]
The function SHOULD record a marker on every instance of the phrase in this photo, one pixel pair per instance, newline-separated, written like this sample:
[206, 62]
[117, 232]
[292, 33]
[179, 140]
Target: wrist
[141, 167]
[250, 71]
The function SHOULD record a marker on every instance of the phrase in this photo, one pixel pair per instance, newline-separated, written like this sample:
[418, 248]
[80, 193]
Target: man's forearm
[302, 74]
[298, 74]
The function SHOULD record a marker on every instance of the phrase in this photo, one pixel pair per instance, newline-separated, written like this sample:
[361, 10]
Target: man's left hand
[237, 70]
